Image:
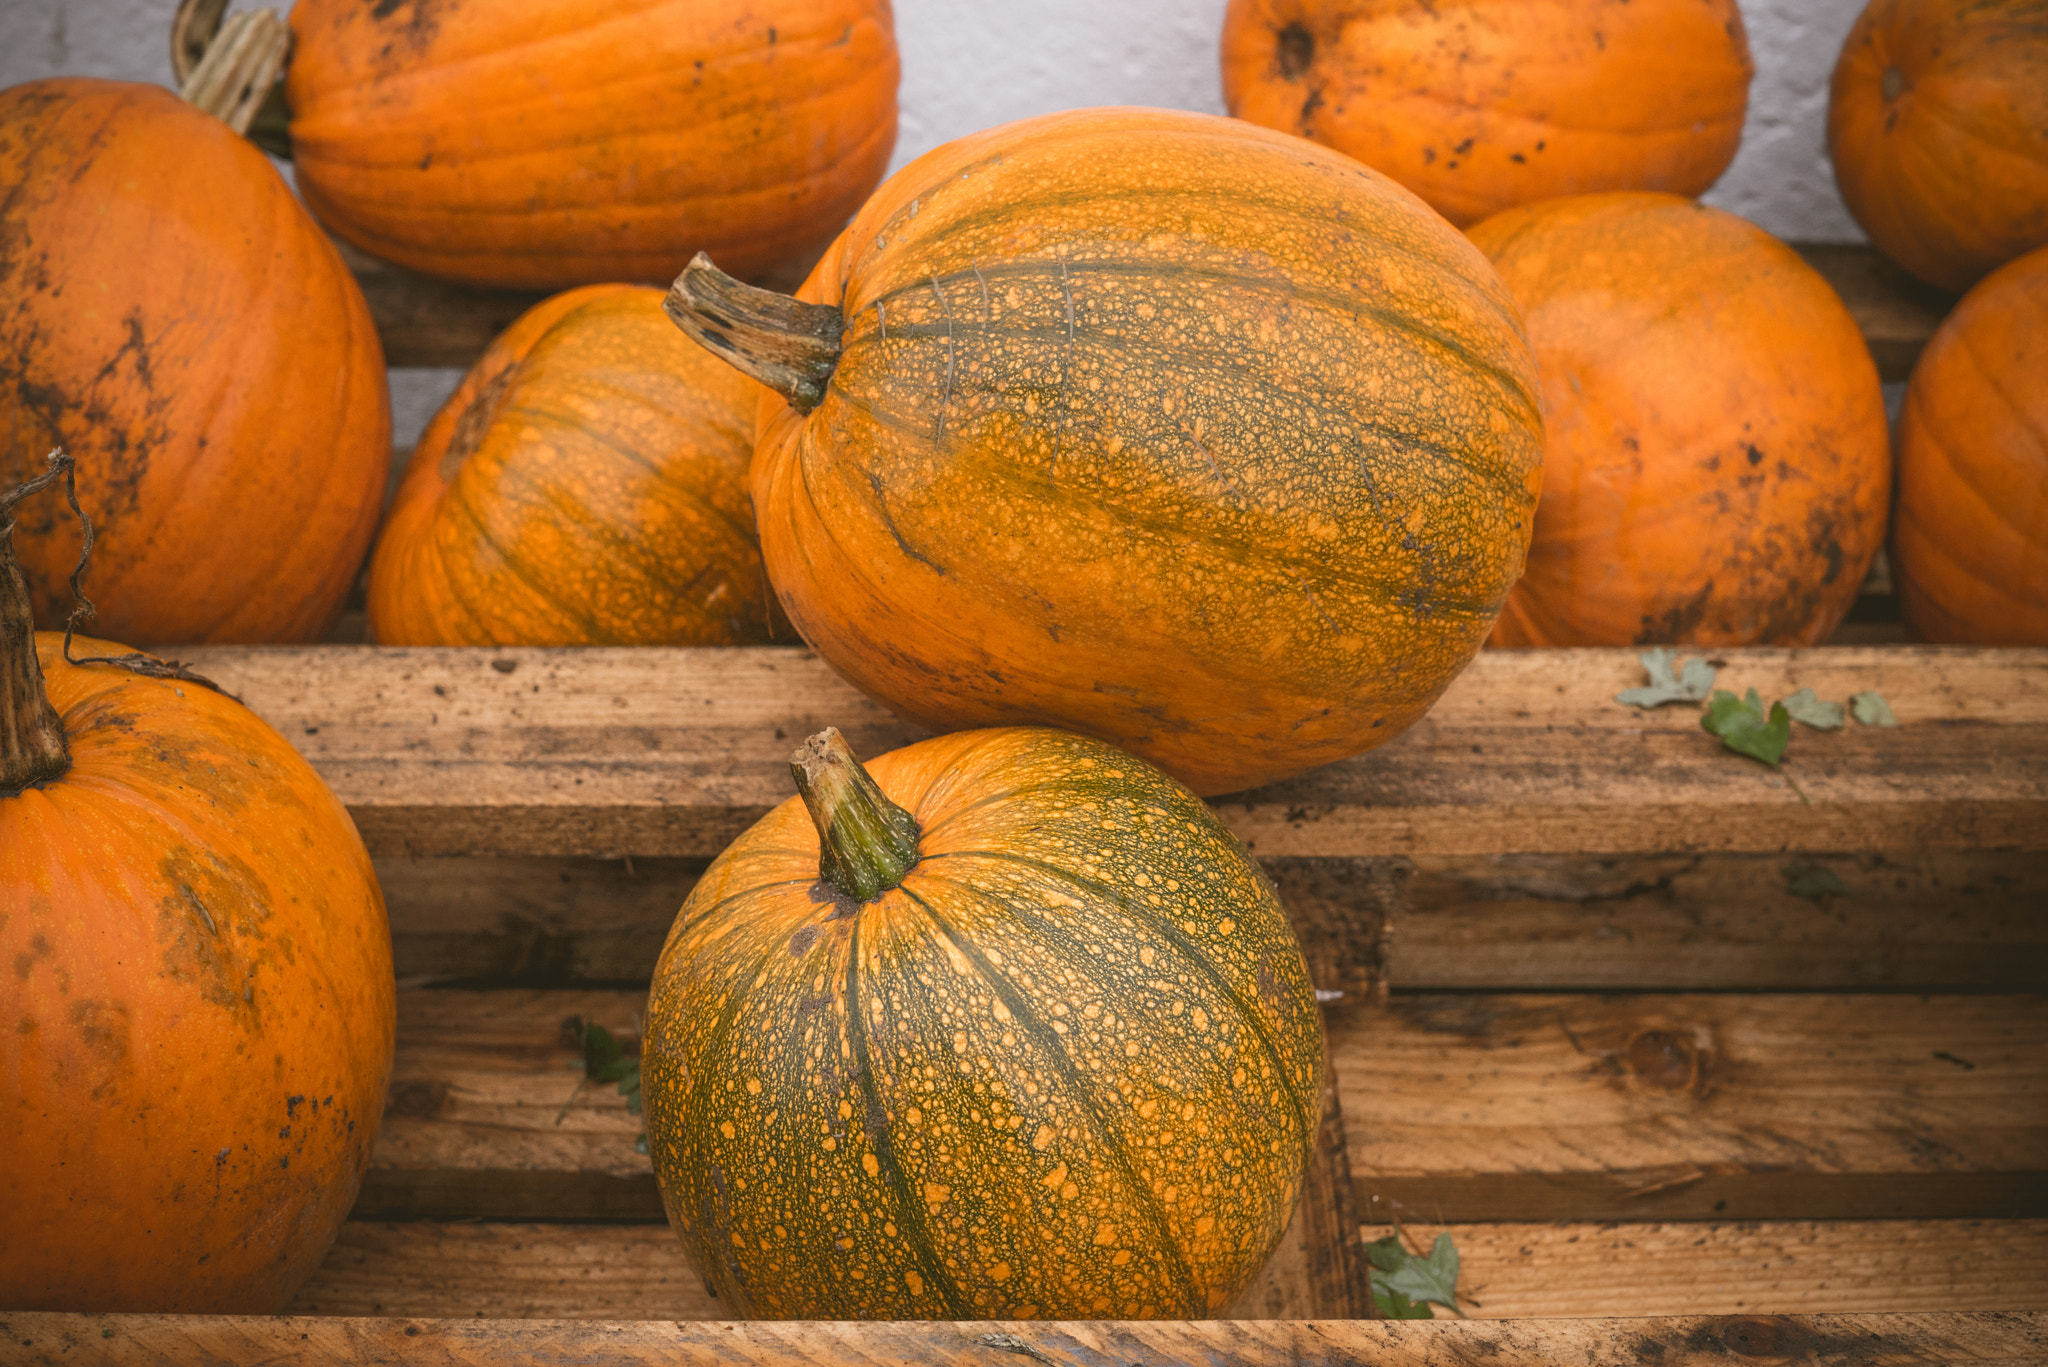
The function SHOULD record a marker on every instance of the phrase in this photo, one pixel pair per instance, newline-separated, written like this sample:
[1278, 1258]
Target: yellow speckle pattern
[1180, 432]
[984, 1094]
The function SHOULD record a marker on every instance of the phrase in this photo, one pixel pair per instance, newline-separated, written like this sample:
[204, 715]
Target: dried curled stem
[786, 344]
[231, 69]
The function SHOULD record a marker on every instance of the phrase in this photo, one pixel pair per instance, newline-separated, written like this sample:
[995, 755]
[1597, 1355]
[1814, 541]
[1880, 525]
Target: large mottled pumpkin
[1717, 469]
[171, 316]
[1938, 128]
[199, 1001]
[1157, 426]
[1023, 1034]
[1485, 104]
[1970, 529]
[584, 485]
[543, 143]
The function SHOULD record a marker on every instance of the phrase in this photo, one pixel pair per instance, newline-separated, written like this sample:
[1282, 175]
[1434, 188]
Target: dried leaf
[1809, 710]
[1691, 684]
[1870, 708]
[1743, 727]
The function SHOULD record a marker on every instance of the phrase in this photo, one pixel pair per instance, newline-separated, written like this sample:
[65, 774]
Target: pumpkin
[543, 144]
[178, 323]
[1717, 464]
[1483, 105]
[200, 995]
[1156, 426]
[1970, 530]
[584, 485]
[1938, 129]
[1024, 1033]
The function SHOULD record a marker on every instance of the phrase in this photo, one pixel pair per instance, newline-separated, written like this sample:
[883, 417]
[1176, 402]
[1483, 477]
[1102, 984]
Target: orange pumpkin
[1717, 466]
[177, 321]
[1157, 426]
[543, 144]
[1938, 127]
[584, 485]
[1482, 105]
[199, 995]
[1970, 532]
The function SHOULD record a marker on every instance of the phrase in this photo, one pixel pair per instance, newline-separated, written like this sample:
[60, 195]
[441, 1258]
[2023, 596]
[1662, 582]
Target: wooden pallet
[1653, 1029]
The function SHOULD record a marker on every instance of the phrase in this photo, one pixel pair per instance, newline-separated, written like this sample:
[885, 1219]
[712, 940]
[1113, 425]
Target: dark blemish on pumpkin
[1517, 157]
[291, 1105]
[882, 507]
[771, 37]
[1672, 626]
[805, 937]
[1310, 105]
[205, 916]
[1756, 457]
[103, 1026]
[426, 161]
[1632, 444]
[1539, 146]
[1295, 49]
[1894, 83]
[1462, 148]
[1451, 165]
[1428, 155]
[1599, 40]
[25, 962]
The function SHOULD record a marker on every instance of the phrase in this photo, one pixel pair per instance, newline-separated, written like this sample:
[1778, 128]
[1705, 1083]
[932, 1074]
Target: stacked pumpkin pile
[1217, 449]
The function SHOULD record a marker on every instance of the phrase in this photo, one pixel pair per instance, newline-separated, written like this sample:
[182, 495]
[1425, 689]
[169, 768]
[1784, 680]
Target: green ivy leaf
[1690, 684]
[1743, 727]
[605, 1059]
[1870, 708]
[1404, 1284]
[1810, 710]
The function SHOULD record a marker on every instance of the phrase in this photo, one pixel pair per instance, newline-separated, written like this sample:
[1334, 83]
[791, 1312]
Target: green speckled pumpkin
[1036, 1043]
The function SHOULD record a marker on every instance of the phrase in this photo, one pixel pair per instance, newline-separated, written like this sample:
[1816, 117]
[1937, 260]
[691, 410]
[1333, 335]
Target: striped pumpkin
[1038, 1042]
[1160, 427]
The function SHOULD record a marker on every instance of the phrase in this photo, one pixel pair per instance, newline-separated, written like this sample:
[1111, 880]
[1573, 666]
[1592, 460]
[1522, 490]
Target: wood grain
[1888, 1340]
[1506, 1270]
[1471, 1107]
[674, 752]
[1943, 920]
[1455, 1108]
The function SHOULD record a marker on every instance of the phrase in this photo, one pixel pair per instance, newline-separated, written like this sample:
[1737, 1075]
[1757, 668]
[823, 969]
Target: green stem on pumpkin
[786, 344]
[32, 748]
[866, 843]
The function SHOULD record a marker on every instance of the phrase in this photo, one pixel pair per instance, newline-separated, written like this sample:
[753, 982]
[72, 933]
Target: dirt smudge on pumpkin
[415, 31]
[102, 1026]
[38, 949]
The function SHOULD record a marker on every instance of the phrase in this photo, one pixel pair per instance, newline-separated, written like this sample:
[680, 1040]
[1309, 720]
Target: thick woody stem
[866, 842]
[32, 748]
[231, 69]
[786, 344]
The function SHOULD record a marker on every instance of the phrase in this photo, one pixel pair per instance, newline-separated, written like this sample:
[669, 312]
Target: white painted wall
[969, 64]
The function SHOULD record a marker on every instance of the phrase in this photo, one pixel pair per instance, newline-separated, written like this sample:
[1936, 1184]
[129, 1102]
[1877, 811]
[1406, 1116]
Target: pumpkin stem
[866, 843]
[32, 748]
[231, 69]
[786, 344]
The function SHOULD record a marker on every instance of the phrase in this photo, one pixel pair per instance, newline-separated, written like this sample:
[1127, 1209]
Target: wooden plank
[1942, 920]
[1887, 1340]
[1933, 920]
[1456, 1108]
[1470, 1107]
[1507, 1271]
[674, 752]
[428, 322]
[1896, 313]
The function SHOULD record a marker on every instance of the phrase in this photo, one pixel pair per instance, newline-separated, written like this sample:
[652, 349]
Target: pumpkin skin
[1938, 129]
[1483, 105]
[1717, 470]
[1069, 1068]
[1970, 531]
[200, 1012]
[174, 319]
[584, 485]
[1159, 427]
[543, 144]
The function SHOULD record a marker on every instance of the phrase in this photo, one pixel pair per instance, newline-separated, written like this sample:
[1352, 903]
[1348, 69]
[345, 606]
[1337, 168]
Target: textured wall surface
[969, 64]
